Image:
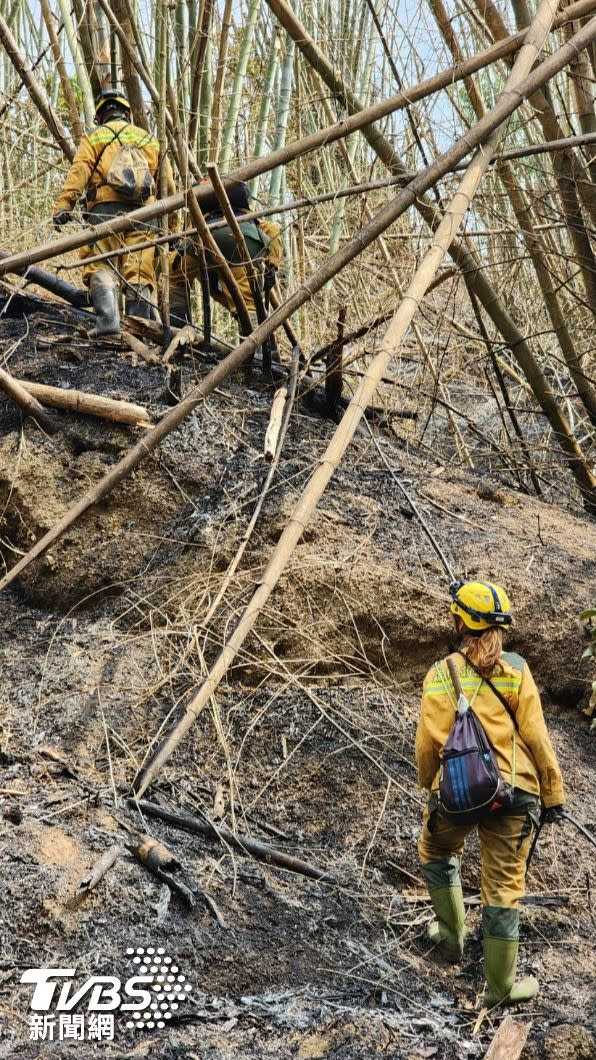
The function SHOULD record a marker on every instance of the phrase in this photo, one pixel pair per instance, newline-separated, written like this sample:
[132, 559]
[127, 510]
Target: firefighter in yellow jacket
[91, 177]
[263, 241]
[526, 760]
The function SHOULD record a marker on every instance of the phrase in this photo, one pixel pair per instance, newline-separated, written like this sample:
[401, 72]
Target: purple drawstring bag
[470, 782]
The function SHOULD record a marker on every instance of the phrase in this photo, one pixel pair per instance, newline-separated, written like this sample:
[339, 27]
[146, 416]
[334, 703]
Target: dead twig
[262, 851]
[97, 873]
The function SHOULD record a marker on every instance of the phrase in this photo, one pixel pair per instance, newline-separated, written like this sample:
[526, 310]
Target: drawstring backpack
[129, 174]
[470, 783]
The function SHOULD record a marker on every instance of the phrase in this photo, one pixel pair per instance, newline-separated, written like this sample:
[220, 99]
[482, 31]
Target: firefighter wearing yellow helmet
[114, 171]
[481, 611]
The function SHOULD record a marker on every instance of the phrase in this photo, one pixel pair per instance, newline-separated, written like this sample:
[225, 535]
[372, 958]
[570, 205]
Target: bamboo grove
[355, 121]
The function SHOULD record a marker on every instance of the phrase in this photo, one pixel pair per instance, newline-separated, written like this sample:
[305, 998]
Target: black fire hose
[74, 295]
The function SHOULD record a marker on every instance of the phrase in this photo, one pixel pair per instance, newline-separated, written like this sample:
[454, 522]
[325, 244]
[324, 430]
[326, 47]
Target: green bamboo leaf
[587, 615]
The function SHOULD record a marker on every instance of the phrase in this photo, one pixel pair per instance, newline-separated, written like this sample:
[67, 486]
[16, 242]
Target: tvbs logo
[149, 998]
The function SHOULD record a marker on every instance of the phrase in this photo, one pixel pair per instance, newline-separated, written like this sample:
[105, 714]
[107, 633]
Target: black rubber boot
[139, 302]
[103, 295]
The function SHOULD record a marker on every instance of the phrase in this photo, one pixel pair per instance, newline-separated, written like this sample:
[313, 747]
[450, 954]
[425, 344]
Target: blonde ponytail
[484, 651]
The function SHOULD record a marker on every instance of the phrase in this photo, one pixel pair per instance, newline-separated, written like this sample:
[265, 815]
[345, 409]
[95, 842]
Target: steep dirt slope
[106, 635]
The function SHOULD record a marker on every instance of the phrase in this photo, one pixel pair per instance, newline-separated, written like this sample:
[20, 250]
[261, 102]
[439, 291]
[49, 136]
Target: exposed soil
[105, 636]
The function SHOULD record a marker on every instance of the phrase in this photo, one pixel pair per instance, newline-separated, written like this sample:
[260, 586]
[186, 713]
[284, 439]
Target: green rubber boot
[448, 931]
[501, 946]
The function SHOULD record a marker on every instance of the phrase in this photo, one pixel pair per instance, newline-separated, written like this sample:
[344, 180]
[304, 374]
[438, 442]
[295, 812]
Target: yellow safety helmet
[480, 605]
[112, 99]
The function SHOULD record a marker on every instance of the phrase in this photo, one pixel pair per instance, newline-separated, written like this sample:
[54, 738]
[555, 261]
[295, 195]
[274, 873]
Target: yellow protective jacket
[93, 159]
[273, 234]
[526, 758]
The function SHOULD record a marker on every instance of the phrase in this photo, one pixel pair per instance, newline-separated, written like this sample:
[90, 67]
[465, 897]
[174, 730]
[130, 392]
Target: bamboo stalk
[35, 90]
[220, 72]
[274, 425]
[79, 62]
[73, 113]
[162, 85]
[266, 97]
[330, 134]
[198, 53]
[227, 139]
[130, 76]
[282, 114]
[515, 90]
[367, 235]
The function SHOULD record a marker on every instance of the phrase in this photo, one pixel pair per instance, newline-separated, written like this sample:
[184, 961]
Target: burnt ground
[105, 636]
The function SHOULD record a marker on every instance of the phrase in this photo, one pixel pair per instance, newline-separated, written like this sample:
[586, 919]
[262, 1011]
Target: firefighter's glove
[61, 218]
[552, 814]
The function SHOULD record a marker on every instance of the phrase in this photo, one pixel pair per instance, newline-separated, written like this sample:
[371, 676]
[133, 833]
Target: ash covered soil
[307, 746]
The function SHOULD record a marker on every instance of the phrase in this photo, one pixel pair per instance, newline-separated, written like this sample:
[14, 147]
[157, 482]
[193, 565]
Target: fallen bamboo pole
[367, 235]
[289, 152]
[29, 405]
[87, 404]
[244, 843]
[96, 874]
[518, 86]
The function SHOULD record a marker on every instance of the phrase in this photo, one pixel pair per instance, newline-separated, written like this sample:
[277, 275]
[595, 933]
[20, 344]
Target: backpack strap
[92, 190]
[488, 682]
[454, 677]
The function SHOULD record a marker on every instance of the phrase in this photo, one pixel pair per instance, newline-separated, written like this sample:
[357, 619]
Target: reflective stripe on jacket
[525, 758]
[93, 160]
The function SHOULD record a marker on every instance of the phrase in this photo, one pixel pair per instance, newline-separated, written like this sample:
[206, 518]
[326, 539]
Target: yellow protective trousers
[504, 845]
[186, 268]
[137, 267]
